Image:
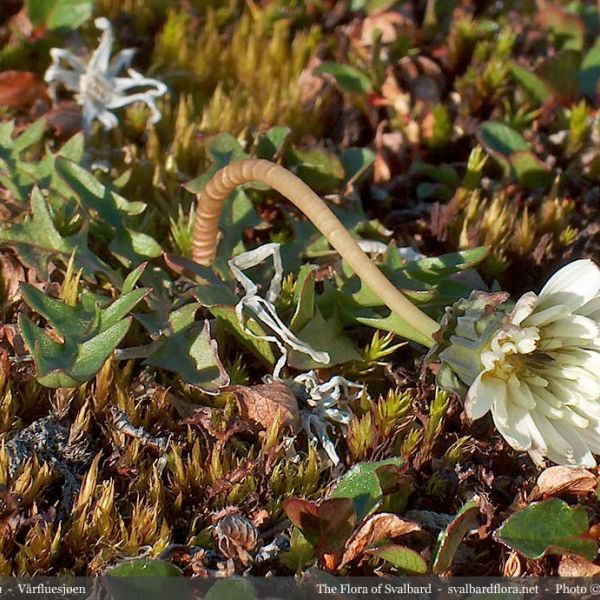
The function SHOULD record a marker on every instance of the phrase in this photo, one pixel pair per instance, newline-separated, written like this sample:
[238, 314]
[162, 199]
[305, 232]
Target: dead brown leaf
[375, 529]
[66, 119]
[263, 404]
[390, 23]
[11, 275]
[311, 85]
[423, 77]
[576, 566]
[20, 89]
[564, 480]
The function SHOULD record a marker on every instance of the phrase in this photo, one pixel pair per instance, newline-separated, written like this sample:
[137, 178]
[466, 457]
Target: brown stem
[208, 212]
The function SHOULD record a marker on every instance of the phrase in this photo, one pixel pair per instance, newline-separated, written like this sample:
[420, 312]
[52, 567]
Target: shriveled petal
[523, 308]
[101, 57]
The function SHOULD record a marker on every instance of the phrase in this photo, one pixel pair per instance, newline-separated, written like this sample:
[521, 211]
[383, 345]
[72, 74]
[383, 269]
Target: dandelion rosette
[534, 364]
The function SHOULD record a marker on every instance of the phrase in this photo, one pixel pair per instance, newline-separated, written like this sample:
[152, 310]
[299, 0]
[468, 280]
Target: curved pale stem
[208, 212]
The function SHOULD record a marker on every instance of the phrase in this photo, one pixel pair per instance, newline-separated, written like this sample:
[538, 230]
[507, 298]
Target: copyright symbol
[595, 589]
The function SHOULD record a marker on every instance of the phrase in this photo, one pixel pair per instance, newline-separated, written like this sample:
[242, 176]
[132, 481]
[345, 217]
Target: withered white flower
[263, 309]
[324, 405]
[540, 373]
[99, 89]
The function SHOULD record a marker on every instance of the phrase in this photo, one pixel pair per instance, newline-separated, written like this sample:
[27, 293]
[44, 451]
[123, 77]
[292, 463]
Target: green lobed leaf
[548, 527]
[450, 538]
[190, 352]
[36, 240]
[561, 73]
[325, 335]
[407, 559]
[69, 364]
[589, 72]
[362, 485]
[348, 78]
[59, 14]
[321, 170]
[89, 334]
[272, 143]
[110, 211]
[535, 87]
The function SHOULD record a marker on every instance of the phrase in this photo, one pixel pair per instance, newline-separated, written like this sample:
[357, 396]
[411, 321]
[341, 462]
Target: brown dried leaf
[66, 119]
[11, 275]
[311, 85]
[263, 404]
[564, 480]
[423, 77]
[576, 566]
[390, 23]
[20, 89]
[373, 530]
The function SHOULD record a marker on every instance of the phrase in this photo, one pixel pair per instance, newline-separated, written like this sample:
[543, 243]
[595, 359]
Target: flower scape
[294, 288]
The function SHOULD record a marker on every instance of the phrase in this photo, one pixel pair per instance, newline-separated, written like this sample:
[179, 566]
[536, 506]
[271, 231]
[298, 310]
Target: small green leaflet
[362, 485]
[450, 538]
[548, 527]
[59, 14]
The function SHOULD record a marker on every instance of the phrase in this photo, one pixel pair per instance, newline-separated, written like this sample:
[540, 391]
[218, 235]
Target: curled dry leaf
[11, 275]
[20, 89]
[559, 480]
[65, 120]
[390, 23]
[576, 566]
[513, 566]
[373, 530]
[311, 85]
[264, 403]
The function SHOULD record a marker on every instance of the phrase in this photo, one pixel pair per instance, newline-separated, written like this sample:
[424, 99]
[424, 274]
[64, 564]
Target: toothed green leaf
[36, 240]
[189, 351]
[88, 335]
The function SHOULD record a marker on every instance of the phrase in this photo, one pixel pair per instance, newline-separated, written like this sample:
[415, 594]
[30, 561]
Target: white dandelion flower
[98, 88]
[538, 370]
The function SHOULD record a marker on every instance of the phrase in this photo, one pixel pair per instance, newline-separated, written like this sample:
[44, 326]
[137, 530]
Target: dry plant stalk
[208, 211]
